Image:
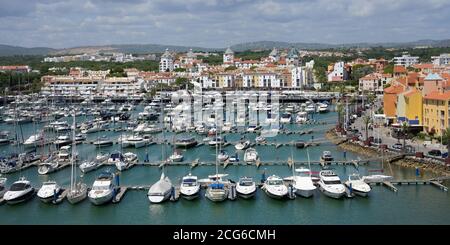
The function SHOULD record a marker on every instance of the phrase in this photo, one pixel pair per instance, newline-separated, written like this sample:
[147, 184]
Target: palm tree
[367, 120]
[340, 111]
[405, 127]
[446, 138]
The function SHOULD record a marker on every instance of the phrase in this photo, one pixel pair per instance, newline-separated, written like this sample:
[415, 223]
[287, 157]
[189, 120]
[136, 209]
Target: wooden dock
[391, 184]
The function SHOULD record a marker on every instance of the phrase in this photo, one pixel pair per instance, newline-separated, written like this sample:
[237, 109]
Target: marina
[275, 155]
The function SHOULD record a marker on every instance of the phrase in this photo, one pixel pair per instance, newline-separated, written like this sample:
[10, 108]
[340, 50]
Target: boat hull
[216, 196]
[304, 193]
[25, 197]
[159, 198]
[246, 195]
[101, 200]
[274, 195]
[335, 195]
[76, 197]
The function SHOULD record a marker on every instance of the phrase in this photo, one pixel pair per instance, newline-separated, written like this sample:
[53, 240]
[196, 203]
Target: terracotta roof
[394, 89]
[423, 66]
[436, 95]
[399, 69]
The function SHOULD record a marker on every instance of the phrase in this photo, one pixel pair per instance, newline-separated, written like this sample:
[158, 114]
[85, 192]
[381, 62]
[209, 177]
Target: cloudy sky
[219, 23]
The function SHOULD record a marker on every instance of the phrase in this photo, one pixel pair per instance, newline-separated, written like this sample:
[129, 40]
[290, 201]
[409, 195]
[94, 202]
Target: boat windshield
[101, 187]
[354, 177]
[246, 183]
[189, 182]
[332, 182]
[18, 187]
[275, 182]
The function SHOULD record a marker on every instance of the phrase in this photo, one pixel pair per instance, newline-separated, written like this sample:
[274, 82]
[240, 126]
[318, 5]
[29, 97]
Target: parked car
[435, 153]
[397, 146]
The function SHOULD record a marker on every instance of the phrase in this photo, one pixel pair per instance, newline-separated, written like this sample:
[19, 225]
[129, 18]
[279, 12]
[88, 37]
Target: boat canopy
[216, 186]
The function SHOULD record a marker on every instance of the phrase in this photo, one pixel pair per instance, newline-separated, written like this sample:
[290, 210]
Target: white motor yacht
[49, 191]
[251, 155]
[19, 191]
[330, 184]
[103, 189]
[242, 145]
[33, 140]
[189, 188]
[176, 157]
[357, 185]
[135, 141]
[275, 188]
[302, 182]
[246, 187]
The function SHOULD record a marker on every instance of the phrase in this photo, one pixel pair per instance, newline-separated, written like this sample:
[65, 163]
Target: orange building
[390, 100]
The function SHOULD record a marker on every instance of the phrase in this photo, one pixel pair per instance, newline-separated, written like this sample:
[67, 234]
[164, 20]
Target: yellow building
[413, 105]
[435, 112]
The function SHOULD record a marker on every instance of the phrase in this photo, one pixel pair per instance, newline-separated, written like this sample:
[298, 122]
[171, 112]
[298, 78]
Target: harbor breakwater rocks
[425, 164]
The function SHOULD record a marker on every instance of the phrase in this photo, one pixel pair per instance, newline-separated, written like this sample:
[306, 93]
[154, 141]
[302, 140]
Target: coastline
[408, 162]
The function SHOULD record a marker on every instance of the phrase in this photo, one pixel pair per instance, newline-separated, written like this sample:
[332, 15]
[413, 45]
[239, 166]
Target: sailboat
[78, 191]
[217, 191]
[302, 180]
[162, 189]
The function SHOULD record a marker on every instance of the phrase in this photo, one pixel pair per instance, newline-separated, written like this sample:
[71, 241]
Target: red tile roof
[394, 89]
[399, 69]
[436, 95]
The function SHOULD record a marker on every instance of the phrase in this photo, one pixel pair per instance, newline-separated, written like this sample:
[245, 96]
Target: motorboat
[49, 191]
[79, 138]
[135, 141]
[103, 141]
[4, 138]
[301, 117]
[62, 140]
[103, 189]
[161, 190]
[330, 184]
[246, 187]
[47, 167]
[19, 191]
[33, 140]
[300, 144]
[357, 185]
[322, 107]
[227, 127]
[94, 128]
[189, 188]
[223, 156]
[311, 108]
[275, 188]
[260, 139]
[2, 186]
[242, 145]
[326, 156]
[234, 158]
[88, 166]
[251, 155]
[186, 142]
[65, 154]
[286, 118]
[303, 183]
[176, 157]
[253, 128]
[376, 178]
[216, 141]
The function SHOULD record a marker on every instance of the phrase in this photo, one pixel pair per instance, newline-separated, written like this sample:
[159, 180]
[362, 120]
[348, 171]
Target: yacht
[311, 108]
[326, 156]
[176, 157]
[65, 154]
[103, 189]
[330, 184]
[223, 156]
[62, 140]
[49, 191]
[260, 140]
[189, 188]
[103, 141]
[19, 191]
[275, 188]
[79, 138]
[286, 118]
[246, 187]
[253, 128]
[161, 190]
[242, 145]
[302, 182]
[300, 144]
[216, 141]
[4, 138]
[186, 142]
[301, 117]
[2, 186]
[33, 140]
[322, 107]
[357, 185]
[88, 166]
[250, 155]
[135, 141]
[48, 166]
[216, 192]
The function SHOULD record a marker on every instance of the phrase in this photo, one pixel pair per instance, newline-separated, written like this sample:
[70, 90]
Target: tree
[230, 68]
[405, 127]
[446, 138]
[359, 71]
[340, 111]
[179, 70]
[367, 120]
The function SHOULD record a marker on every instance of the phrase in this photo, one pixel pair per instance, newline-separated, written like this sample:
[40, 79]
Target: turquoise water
[410, 205]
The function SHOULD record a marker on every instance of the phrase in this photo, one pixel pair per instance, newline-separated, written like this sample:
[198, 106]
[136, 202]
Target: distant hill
[7, 50]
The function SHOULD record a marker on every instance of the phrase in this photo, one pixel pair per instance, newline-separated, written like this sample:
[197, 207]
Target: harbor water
[412, 204]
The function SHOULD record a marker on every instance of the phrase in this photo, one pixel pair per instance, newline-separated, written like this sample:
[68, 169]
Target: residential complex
[406, 60]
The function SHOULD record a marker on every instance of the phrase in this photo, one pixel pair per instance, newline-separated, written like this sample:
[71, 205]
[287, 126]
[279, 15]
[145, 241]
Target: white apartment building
[406, 60]
[374, 82]
[261, 80]
[339, 73]
[302, 77]
[166, 62]
[442, 59]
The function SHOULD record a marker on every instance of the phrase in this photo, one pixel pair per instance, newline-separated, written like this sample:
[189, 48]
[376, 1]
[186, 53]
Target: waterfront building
[390, 100]
[374, 82]
[406, 60]
[413, 105]
[435, 112]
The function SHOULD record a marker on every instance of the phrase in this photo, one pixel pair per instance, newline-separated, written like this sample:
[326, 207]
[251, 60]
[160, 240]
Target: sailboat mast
[217, 149]
[309, 162]
[72, 174]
